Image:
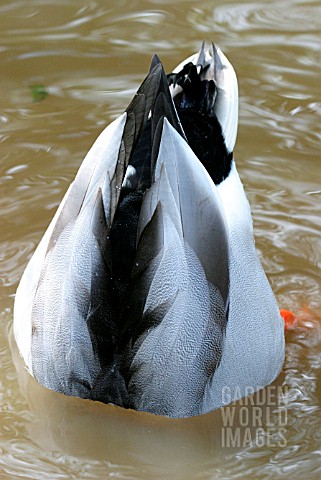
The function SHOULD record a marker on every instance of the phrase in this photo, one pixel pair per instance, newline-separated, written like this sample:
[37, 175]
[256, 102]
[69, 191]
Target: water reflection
[103, 432]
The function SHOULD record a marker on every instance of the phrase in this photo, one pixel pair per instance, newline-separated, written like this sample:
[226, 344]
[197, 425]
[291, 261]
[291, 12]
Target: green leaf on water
[38, 93]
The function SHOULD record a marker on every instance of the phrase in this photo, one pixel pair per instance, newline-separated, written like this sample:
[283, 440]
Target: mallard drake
[146, 290]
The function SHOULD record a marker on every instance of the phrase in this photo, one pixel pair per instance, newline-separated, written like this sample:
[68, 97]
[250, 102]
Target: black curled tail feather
[195, 95]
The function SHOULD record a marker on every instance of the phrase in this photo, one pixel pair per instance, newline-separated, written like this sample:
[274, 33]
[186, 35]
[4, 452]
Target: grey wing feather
[72, 309]
[102, 157]
[198, 203]
[181, 320]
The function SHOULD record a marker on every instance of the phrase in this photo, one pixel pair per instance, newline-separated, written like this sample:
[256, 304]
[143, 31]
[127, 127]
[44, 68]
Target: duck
[146, 290]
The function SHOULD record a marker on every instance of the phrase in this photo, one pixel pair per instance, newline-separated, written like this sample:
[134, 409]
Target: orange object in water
[290, 320]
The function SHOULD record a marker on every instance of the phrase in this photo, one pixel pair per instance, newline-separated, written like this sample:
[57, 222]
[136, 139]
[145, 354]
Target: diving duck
[146, 290]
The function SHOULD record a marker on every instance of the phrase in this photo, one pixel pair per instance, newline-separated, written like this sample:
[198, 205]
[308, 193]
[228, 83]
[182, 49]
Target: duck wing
[39, 300]
[180, 294]
[65, 321]
[125, 299]
[204, 88]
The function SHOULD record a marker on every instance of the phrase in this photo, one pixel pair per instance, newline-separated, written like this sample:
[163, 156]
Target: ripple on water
[12, 256]
[92, 56]
[265, 22]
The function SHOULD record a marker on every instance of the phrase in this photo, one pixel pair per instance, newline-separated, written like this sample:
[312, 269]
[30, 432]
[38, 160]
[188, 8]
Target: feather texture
[146, 290]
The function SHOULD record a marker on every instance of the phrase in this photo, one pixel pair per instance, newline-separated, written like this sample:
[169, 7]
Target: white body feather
[88, 180]
[254, 346]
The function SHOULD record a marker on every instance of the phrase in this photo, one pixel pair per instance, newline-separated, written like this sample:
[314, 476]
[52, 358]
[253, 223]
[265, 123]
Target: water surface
[91, 57]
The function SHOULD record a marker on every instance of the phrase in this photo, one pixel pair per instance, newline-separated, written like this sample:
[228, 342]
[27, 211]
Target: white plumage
[146, 289]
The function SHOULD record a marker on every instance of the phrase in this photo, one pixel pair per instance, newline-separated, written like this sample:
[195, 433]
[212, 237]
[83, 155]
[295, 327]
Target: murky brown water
[91, 56]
